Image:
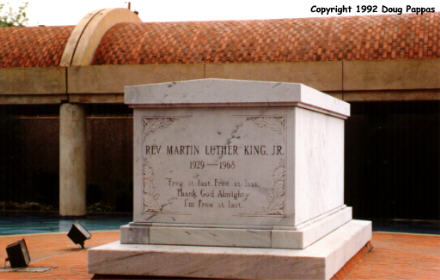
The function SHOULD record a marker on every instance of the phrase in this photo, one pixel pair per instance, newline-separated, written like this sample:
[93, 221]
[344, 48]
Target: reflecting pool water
[23, 224]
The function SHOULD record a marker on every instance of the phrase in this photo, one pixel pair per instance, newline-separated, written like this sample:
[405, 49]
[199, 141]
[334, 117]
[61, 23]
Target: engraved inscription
[192, 167]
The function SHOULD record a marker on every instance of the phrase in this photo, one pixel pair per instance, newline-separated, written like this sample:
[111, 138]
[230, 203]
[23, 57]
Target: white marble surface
[319, 164]
[221, 92]
[235, 164]
[180, 179]
[319, 261]
[261, 237]
[218, 168]
[269, 165]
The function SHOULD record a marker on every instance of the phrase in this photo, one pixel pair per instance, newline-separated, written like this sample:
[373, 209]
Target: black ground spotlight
[78, 234]
[18, 254]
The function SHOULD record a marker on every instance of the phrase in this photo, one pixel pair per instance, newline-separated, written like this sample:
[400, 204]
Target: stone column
[72, 160]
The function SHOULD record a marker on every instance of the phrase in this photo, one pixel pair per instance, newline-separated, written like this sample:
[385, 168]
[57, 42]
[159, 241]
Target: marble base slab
[320, 260]
[272, 237]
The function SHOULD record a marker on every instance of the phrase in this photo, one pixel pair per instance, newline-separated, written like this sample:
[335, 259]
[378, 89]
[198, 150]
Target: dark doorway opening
[392, 160]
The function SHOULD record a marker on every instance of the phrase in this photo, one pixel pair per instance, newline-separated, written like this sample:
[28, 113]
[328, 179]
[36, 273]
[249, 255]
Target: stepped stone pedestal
[235, 179]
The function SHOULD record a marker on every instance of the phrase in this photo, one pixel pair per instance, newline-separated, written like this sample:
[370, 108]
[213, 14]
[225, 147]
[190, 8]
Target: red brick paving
[388, 256]
[400, 256]
[55, 249]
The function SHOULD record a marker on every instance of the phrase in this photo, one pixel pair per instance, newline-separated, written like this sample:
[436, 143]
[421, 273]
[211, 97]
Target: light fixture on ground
[78, 234]
[18, 254]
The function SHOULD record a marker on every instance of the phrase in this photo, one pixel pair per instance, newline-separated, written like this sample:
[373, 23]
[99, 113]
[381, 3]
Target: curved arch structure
[86, 36]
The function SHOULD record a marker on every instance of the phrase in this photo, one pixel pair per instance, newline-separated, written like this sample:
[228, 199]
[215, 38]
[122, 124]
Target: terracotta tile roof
[32, 46]
[311, 39]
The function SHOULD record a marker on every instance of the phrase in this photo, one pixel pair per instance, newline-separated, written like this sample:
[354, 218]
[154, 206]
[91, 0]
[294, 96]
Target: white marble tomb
[258, 166]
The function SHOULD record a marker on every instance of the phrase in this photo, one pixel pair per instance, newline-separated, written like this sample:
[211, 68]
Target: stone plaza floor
[388, 256]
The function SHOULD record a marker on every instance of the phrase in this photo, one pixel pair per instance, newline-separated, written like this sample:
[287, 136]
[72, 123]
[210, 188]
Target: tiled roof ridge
[36, 46]
[378, 37]
[272, 40]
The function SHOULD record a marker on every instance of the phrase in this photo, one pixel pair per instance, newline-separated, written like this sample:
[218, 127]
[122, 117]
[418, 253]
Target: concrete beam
[402, 80]
[32, 81]
[31, 99]
[391, 95]
[87, 83]
[323, 76]
[402, 74]
[111, 79]
[390, 80]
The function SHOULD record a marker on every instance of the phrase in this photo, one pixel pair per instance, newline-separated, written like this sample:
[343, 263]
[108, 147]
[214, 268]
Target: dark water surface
[22, 224]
